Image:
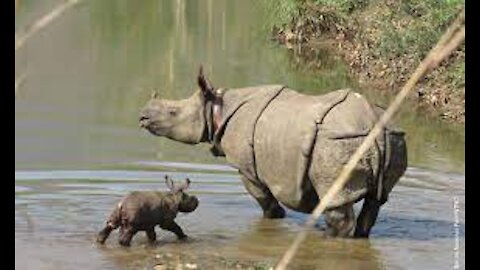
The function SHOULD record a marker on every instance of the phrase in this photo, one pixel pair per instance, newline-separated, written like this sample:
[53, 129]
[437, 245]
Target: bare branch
[43, 22]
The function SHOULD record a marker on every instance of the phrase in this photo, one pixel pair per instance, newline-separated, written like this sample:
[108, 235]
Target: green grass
[262, 266]
[279, 13]
[345, 6]
[402, 31]
[456, 74]
[429, 19]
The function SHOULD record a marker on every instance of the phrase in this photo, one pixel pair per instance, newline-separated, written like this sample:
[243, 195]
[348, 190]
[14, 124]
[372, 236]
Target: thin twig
[447, 44]
[19, 81]
[43, 22]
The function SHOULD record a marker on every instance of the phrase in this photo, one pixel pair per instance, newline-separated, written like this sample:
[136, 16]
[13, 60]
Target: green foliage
[346, 6]
[279, 12]
[262, 266]
[400, 30]
[456, 74]
[429, 19]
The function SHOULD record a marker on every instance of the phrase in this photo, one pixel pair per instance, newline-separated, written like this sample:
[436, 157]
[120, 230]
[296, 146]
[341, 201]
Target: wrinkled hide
[297, 144]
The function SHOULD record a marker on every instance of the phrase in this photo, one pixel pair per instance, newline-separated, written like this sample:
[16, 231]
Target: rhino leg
[367, 217]
[270, 206]
[104, 233]
[126, 237]
[172, 226]
[340, 221]
[152, 236]
[112, 223]
[126, 234]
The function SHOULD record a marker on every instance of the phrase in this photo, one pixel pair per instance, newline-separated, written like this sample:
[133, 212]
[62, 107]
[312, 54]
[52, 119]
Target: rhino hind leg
[270, 206]
[126, 236]
[151, 235]
[367, 217]
[340, 221]
[394, 171]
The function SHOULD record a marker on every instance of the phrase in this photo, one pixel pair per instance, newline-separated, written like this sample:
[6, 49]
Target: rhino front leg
[270, 206]
[112, 223]
[104, 233]
[340, 221]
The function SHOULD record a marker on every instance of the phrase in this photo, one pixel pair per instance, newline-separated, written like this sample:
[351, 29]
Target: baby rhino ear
[187, 182]
[185, 185]
[169, 183]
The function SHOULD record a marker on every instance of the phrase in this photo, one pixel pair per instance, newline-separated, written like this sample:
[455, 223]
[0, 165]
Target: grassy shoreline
[382, 42]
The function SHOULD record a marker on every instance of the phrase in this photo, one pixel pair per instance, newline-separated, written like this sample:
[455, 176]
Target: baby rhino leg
[270, 206]
[105, 232]
[172, 226]
[127, 231]
[112, 223]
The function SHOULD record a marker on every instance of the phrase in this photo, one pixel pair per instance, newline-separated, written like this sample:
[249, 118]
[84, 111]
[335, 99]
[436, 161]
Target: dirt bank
[383, 42]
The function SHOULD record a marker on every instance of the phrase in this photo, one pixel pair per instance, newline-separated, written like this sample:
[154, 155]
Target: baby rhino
[143, 210]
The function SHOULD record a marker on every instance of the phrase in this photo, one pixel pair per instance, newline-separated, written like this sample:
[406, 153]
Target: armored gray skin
[289, 147]
[143, 210]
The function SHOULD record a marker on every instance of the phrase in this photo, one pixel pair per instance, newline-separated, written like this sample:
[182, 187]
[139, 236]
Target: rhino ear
[169, 183]
[205, 85]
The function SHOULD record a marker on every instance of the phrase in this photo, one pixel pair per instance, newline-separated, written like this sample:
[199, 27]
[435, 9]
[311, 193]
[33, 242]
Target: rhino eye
[172, 111]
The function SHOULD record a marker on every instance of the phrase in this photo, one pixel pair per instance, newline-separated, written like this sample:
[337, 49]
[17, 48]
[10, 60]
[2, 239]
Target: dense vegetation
[382, 40]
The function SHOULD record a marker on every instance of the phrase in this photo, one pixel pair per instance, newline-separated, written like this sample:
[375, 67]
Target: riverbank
[382, 42]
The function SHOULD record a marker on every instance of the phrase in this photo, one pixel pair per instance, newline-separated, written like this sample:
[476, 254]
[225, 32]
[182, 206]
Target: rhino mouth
[147, 124]
[144, 122]
[153, 127]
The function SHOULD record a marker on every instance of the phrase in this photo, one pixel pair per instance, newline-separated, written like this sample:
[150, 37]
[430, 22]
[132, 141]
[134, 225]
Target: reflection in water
[268, 239]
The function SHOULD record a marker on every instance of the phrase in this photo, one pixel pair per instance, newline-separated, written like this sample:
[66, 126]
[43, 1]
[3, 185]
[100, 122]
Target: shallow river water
[78, 148]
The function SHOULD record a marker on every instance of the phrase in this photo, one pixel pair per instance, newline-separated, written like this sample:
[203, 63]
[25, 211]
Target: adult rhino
[289, 147]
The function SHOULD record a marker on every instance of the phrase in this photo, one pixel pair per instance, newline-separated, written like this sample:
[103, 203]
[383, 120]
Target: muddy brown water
[78, 148]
